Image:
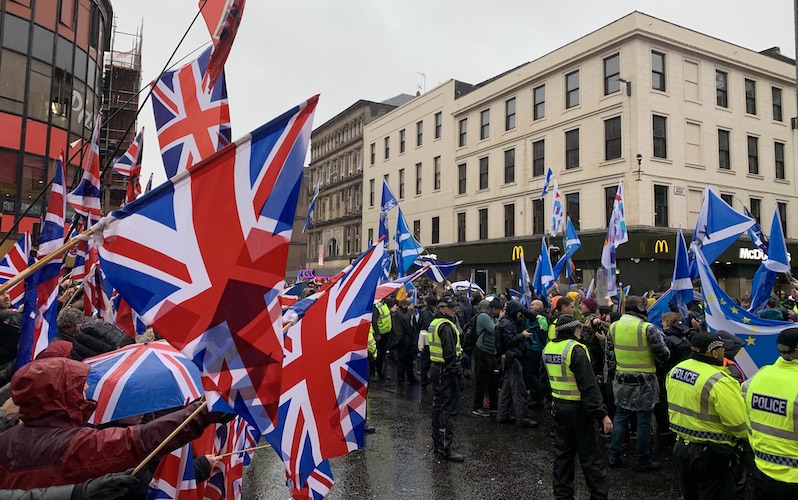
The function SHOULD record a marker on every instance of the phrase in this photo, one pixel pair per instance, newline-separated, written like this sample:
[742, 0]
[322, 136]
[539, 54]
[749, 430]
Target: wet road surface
[502, 461]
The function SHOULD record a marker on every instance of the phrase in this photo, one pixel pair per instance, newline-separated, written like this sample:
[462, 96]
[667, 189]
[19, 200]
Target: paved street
[501, 460]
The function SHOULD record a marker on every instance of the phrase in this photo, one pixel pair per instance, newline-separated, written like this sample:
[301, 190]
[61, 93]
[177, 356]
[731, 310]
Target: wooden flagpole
[169, 438]
[245, 451]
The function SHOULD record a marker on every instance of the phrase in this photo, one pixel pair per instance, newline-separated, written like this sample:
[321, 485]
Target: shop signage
[661, 246]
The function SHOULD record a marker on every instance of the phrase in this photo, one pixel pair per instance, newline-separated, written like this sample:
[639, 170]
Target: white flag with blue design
[408, 249]
[681, 284]
[547, 181]
[718, 226]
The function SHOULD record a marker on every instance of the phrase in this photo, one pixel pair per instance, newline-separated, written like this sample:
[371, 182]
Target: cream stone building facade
[665, 109]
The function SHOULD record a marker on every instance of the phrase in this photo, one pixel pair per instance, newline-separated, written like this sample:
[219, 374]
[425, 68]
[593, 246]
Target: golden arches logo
[661, 246]
[518, 252]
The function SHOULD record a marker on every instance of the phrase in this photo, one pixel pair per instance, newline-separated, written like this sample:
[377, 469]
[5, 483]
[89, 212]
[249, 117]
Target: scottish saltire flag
[718, 226]
[761, 287]
[222, 18]
[408, 249]
[438, 269]
[524, 283]
[148, 188]
[758, 237]
[129, 165]
[385, 289]
[14, 262]
[174, 478]
[572, 244]
[322, 411]
[660, 307]
[227, 476]
[557, 210]
[387, 203]
[85, 199]
[191, 124]
[39, 326]
[777, 261]
[547, 277]
[311, 208]
[547, 181]
[202, 258]
[681, 284]
[722, 313]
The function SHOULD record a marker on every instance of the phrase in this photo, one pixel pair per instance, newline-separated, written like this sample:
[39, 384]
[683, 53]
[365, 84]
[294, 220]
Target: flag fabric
[681, 284]
[547, 278]
[124, 317]
[777, 261]
[149, 185]
[547, 181]
[129, 165]
[39, 326]
[438, 269]
[387, 203]
[97, 291]
[608, 255]
[621, 235]
[202, 258]
[386, 289]
[14, 262]
[572, 244]
[222, 18]
[227, 476]
[311, 208]
[722, 313]
[762, 286]
[291, 295]
[408, 249]
[717, 227]
[589, 292]
[616, 235]
[78, 253]
[174, 478]
[660, 307]
[523, 283]
[191, 124]
[322, 411]
[85, 199]
[557, 211]
[758, 237]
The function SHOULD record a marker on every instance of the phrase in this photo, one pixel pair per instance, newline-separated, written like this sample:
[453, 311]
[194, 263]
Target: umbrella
[140, 378]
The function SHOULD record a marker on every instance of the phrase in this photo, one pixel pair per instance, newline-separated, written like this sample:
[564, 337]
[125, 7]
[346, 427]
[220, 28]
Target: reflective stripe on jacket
[557, 359]
[435, 344]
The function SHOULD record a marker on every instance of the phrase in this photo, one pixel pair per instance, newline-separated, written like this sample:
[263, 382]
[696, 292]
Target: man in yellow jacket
[707, 413]
[770, 396]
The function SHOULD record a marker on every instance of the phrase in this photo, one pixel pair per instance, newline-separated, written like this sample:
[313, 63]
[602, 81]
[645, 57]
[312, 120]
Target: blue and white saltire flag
[557, 210]
[718, 226]
[722, 313]
[438, 269]
[408, 249]
[547, 277]
[387, 203]
[777, 260]
[547, 181]
[761, 286]
[660, 307]
[681, 284]
[523, 283]
[758, 237]
[572, 244]
[311, 208]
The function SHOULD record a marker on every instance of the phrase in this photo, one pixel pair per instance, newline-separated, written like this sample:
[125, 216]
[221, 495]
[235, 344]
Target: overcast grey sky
[345, 50]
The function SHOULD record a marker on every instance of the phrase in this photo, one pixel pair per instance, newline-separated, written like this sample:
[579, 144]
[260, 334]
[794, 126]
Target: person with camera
[510, 339]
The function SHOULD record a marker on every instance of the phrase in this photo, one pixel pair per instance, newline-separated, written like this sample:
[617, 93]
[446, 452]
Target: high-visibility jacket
[770, 396]
[435, 344]
[372, 345]
[734, 370]
[384, 319]
[705, 404]
[557, 359]
[552, 332]
[632, 351]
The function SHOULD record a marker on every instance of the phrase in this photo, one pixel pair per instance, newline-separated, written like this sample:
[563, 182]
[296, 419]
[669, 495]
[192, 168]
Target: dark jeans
[532, 374]
[485, 378]
[404, 368]
[767, 488]
[382, 349]
[706, 471]
[513, 392]
[576, 433]
[425, 363]
[643, 445]
[661, 408]
[445, 400]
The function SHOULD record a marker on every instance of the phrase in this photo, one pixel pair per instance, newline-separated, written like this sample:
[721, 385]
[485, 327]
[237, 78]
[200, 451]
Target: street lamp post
[639, 172]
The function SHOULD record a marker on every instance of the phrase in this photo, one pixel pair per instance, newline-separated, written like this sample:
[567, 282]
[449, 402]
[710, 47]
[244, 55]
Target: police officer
[577, 409]
[382, 327]
[446, 374]
[707, 412]
[770, 396]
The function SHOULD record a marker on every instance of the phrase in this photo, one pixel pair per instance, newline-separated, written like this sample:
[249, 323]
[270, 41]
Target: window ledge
[723, 108]
[569, 170]
[657, 159]
[483, 190]
[663, 93]
[696, 166]
[726, 171]
[461, 195]
[749, 115]
[776, 122]
[756, 176]
[782, 181]
[613, 161]
[509, 184]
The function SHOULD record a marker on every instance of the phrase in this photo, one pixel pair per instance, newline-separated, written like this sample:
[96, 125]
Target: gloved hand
[107, 487]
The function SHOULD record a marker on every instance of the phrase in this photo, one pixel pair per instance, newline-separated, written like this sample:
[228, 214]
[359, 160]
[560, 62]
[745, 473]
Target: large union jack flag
[191, 124]
[129, 165]
[202, 257]
[14, 262]
[322, 410]
[85, 199]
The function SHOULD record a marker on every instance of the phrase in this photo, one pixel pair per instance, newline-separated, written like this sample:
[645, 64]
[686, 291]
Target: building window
[332, 247]
[484, 124]
[509, 166]
[419, 133]
[657, 70]
[373, 149]
[438, 124]
[61, 93]
[436, 163]
[417, 230]
[387, 147]
[572, 209]
[509, 220]
[612, 138]
[778, 151]
[724, 149]
[660, 132]
[371, 192]
[783, 216]
[612, 72]
[750, 96]
[753, 155]
[461, 178]
[418, 178]
[538, 158]
[539, 95]
[692, 136]
[401, 183]
[756, 209]
[436, 233]
[509, 114]
[776, 92]
[572, 89]
[572, 149]
[463, 133]
[483, 223]
[609, 201]
[538, 217]
[660, 206]
[483, 173]
[402, 141]
[461, 227]
[722, 88]
[728, 198]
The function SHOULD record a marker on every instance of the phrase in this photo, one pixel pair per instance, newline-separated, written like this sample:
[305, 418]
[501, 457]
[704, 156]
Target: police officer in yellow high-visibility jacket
[382, 326]
[578, 408]
[446, 374]
[771, 396]
[707, 413]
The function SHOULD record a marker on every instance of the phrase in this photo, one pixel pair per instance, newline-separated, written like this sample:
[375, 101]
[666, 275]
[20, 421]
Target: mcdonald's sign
[518, 252]
[661, 246]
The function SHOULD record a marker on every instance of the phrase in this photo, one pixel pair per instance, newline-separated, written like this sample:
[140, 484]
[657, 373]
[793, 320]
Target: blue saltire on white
[523, 283]
[758, 237]
[776, 262]
[681, 284]
[438, 269]
[408, 249]
[717, 227]
[572, 244]
[311, 208]
[547, 181]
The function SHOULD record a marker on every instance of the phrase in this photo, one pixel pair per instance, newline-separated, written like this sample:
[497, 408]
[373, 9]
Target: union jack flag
[202, 257]
[78, 252]
[148, 188]
[174, 478]
[222, 18]
[129, 165]
[227, 475]
[191, 124]
[85, 199]
[322, 411]
[97, 291]
[122, 315]
[38, 326]
[14, 262]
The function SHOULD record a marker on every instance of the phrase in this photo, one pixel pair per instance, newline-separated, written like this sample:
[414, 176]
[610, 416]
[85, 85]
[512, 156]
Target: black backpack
[470, 334]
